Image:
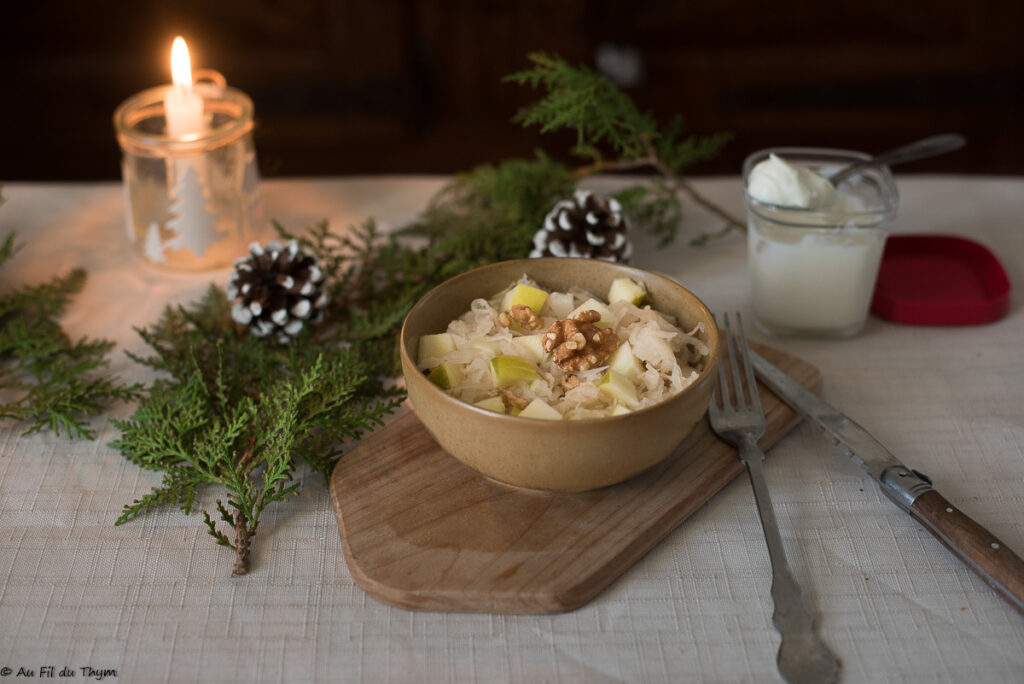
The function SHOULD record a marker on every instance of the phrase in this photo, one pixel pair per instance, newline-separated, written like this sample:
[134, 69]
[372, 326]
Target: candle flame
[181, 65]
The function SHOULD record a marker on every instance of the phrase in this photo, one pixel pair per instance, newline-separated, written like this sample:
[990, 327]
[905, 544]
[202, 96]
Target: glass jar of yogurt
[814, 250]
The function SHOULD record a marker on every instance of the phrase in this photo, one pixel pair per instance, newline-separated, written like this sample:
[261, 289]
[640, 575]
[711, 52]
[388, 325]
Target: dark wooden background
[397, 86]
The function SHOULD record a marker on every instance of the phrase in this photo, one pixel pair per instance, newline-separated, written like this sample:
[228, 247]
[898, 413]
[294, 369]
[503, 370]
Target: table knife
[911, 490]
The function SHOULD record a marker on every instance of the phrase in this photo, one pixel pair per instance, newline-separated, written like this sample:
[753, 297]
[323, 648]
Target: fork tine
[755, 398]
[734, 363]
[723, 383]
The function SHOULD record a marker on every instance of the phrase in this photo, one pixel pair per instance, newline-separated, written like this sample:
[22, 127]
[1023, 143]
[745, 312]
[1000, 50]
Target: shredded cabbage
[671, 356]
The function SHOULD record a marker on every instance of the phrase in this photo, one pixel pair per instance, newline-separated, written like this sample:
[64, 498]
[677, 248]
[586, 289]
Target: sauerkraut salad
[563, 355]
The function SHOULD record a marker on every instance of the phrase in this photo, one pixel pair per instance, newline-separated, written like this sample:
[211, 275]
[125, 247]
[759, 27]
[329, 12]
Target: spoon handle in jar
[928, 147]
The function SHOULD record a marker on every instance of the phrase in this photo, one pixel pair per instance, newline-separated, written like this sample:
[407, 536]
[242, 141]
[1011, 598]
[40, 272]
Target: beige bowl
[563, 456]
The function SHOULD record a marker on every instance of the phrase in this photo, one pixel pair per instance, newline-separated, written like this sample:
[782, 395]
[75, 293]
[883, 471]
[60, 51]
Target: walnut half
[511, 400]
[523, 315]
[577, 344]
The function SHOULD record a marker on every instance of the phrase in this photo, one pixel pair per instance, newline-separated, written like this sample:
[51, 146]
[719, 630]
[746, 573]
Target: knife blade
[988, 557]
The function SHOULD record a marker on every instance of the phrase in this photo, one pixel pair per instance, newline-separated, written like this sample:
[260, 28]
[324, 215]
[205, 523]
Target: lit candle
[183, 106]
[204, 207]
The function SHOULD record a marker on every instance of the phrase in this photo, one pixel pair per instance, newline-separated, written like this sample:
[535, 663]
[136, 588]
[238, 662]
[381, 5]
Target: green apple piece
[620, 410]
[531, 346]
[515, 411]
[435, 346]
[492, 404]
[626, 290]
[527, 295]
[508, 370]
[619, 387]
[625, 363]
[538, 408]
[594, 305]
[446, 376]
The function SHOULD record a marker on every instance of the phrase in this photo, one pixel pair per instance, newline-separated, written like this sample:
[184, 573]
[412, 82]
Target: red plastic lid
[940, 280]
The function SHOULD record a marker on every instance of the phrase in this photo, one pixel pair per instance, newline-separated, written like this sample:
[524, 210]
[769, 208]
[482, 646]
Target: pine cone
[585, 226]
[276, 290]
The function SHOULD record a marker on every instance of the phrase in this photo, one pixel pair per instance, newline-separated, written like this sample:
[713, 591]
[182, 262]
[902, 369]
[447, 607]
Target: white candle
[183, 106]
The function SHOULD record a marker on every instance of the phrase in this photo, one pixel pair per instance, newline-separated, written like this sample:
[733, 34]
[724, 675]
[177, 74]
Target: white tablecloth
[155, 599]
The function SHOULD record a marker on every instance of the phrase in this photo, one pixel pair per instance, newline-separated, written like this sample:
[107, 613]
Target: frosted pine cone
[277, 290]
[585, 226]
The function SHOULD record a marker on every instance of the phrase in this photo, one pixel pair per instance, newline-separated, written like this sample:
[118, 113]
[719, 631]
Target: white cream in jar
[813, 250]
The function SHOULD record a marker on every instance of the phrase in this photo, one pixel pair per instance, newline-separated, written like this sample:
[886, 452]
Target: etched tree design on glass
[194, 224]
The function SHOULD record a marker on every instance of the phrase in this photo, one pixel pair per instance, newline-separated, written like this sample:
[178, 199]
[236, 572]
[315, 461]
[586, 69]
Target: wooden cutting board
[422, 531]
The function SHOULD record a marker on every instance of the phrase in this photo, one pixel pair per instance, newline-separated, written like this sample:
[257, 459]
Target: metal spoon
[928, 147]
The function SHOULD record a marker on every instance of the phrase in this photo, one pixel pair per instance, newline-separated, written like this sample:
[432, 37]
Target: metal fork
[803, 657]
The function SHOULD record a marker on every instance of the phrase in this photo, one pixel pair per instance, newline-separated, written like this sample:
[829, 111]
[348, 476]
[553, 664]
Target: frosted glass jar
[192, 202]
[812, 272]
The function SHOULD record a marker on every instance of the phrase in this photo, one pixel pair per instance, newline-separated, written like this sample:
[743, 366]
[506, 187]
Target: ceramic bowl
[561, 456]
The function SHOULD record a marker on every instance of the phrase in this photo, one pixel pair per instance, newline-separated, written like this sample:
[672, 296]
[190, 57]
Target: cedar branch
[674, 182]
[243, 543]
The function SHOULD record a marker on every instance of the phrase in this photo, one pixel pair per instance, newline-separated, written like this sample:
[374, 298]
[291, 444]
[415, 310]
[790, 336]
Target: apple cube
[626, 290]
[434, 347]
[446, 376]
[526, 295]
[620, 410]
[619, 388]
[623, 361]
[538, 408]
[594, 305]
[531, 346]
[508, 370]
[492, 404]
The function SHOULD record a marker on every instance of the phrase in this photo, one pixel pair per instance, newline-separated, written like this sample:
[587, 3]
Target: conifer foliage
[50, 381]
[612, 134]
[236, 412]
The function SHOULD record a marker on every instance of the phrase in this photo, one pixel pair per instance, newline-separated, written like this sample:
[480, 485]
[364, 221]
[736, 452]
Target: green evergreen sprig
[50, 381]
[237, 413]
[586, 102]
[605, 119]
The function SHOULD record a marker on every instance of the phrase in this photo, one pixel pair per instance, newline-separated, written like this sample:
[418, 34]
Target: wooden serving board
[420, 530]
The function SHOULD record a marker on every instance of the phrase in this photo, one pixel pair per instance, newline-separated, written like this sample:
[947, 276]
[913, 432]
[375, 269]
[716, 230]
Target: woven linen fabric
[154, 600]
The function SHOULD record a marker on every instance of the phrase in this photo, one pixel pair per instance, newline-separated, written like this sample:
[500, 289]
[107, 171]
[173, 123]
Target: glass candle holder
[813, 271]
[192, 201]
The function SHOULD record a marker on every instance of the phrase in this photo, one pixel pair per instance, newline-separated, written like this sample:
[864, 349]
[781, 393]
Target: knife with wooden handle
[989, 558]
